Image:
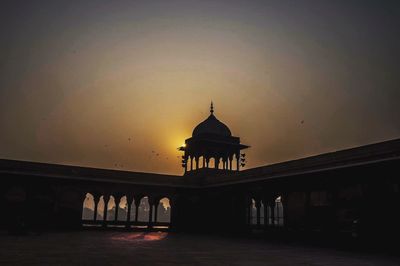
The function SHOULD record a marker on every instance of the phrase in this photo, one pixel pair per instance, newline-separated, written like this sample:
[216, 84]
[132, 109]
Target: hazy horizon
[122, 84]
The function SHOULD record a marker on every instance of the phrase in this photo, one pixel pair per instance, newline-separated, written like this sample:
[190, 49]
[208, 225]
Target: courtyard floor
[161, 248]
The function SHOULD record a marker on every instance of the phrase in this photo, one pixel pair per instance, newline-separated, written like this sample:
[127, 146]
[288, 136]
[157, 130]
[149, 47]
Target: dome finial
[212, 108]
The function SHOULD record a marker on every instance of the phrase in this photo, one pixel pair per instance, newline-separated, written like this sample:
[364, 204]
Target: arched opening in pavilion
[164, 211]
[122, 209]
[212, 163]
[201, 162]
[133, 211]
[262, 213]
[111, 209]
[278, 215]
[144, 209]
[253, 212]
[88, 208]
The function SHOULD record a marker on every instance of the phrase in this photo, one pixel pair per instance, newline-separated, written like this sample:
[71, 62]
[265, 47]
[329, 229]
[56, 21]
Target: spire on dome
[212, 108]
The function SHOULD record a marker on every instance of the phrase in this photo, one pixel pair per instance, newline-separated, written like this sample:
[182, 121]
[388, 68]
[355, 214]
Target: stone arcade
[352, 192]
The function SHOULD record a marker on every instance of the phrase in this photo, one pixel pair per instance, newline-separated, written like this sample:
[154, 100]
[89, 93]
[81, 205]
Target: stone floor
[160, 248]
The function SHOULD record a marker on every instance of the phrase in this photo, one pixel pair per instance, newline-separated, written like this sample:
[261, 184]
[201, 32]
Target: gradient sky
[78, 79]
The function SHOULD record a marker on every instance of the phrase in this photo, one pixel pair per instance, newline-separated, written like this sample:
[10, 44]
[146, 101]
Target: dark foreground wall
[361, 201]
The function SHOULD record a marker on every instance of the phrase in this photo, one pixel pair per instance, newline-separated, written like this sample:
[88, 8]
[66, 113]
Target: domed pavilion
[212, 146]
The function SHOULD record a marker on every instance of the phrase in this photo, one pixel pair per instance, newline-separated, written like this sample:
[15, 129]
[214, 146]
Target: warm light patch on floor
[135, 237]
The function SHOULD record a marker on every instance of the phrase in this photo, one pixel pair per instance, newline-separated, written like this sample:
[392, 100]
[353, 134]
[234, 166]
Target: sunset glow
[122, 85]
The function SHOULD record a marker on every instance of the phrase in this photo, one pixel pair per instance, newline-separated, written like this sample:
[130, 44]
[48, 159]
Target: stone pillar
[191, 163]
[237, 163]
[266, 216]
[117, 201]
[137, 203]
[128, 215]
[230, 163]
[217, 163]
[186, 163]
[150, 213]
[207, 162]
[258, 206]
[197, 162]
[272, 207]
[156, 211]
[204, 162]
[95, 207]
[284, 208]
[106, 198]
[173, 213]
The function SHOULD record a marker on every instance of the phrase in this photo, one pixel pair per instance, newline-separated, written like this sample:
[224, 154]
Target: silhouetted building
[353, 192]
[212, 140]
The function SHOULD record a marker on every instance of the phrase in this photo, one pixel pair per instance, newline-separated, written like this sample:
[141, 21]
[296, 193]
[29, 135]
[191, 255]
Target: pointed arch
[278, 212]
[144, 209]
[253, 212]
[88, 208]
[164, 211]
[122, 209]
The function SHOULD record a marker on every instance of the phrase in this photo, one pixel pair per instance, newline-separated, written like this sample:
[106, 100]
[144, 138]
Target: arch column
[266, 216]
[272, 208]
[258, 206]
[157, 203]
[129, 200]
[106, 198]
[217, 159]
[249, 205]
[137, 203]
[96, 203]
[117, 200]
[151, 203]
[284, 208]
[237, 162]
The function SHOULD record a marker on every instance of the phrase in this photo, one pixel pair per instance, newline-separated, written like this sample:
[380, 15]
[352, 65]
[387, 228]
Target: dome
[211, 126]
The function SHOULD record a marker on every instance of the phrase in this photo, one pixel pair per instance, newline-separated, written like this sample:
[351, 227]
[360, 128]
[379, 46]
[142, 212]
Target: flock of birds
[153, 154]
